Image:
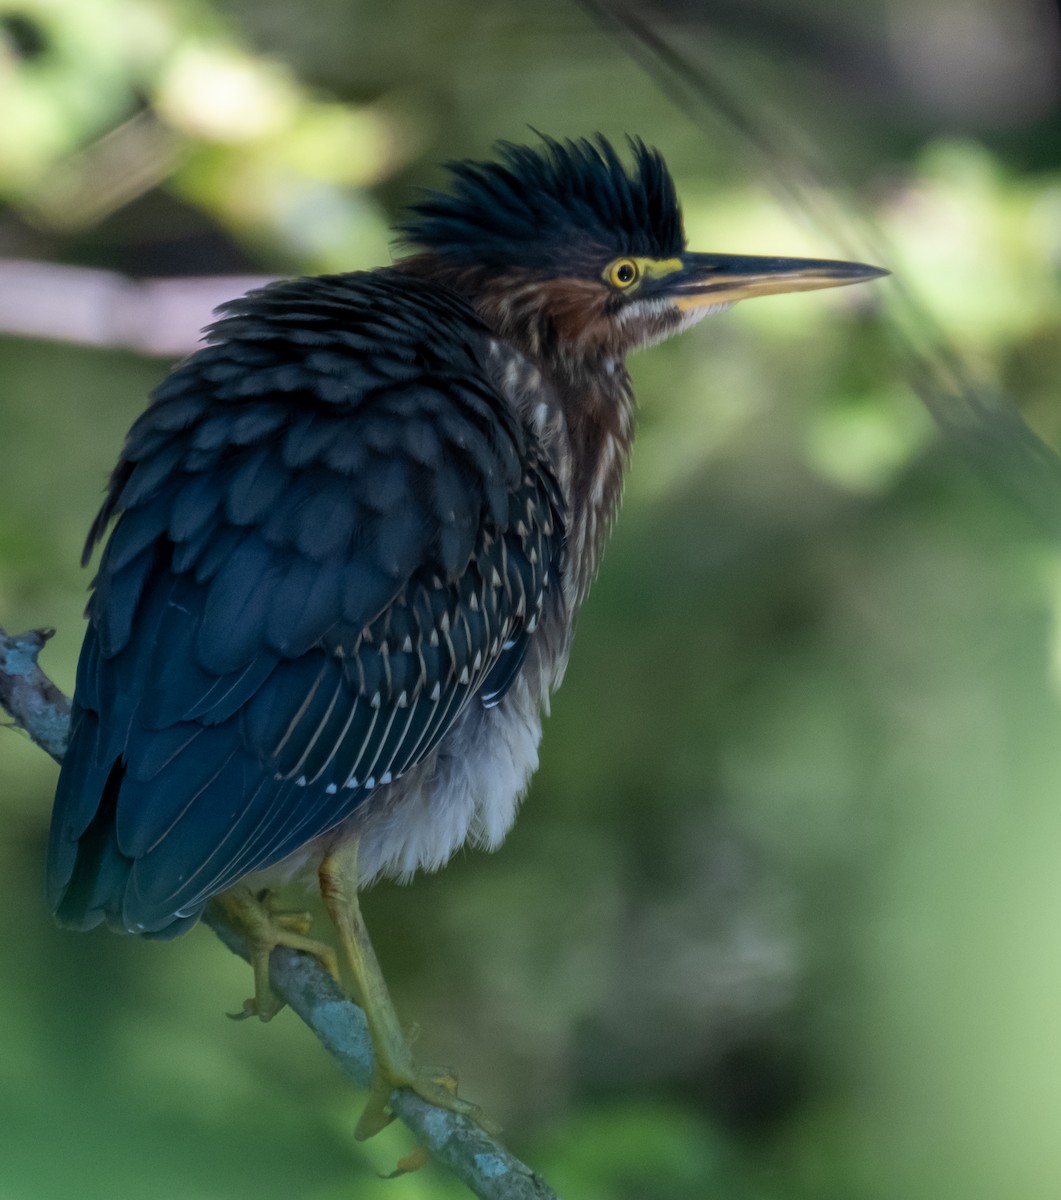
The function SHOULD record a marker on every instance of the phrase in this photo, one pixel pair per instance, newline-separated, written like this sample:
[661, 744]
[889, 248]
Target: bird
[348, 540]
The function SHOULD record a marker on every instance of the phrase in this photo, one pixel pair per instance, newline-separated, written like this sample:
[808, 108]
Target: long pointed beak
[725, 278]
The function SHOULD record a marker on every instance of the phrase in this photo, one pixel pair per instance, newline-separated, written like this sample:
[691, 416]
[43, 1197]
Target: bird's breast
[584, 418]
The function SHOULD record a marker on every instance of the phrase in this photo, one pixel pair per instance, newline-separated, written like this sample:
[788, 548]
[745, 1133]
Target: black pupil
[625, 273]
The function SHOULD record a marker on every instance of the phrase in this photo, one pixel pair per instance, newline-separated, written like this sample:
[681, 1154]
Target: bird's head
[573, 253]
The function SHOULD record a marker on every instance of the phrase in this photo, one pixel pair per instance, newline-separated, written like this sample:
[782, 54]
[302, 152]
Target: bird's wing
[332, 535]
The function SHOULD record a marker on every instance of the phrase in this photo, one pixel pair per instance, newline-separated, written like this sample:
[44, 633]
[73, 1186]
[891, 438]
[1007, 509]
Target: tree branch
[29, 696]
[478, 1160]
[89, 307]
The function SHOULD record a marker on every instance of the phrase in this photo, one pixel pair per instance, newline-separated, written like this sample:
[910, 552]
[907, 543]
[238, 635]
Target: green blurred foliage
[779, 919]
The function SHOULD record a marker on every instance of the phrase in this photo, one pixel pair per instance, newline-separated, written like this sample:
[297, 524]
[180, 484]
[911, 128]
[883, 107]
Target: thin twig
[478, 1160]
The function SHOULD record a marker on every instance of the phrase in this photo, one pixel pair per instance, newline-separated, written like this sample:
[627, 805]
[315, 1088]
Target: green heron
[350, 538]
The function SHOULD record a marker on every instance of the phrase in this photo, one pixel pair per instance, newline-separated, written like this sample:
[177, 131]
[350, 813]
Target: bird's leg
[395, 1065]
[265, 930]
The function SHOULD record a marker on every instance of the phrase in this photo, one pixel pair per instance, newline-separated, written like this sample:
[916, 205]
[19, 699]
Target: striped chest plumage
[586, 430]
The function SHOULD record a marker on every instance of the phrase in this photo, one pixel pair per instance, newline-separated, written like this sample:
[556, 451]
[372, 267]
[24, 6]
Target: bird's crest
[545, 207]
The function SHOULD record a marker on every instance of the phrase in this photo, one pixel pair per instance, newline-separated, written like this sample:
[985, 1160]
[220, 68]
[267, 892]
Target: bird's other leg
[395, 1065]
[264, 930]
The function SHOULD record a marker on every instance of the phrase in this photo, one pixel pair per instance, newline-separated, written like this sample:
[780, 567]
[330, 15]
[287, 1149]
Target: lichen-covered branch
[476, 1158]
[29, 696]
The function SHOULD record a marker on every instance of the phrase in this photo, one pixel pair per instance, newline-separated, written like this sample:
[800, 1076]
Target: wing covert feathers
[332, 533]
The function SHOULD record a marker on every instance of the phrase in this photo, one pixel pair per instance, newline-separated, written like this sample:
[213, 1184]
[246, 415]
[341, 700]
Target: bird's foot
[413, 1161]
[265, 929]
[395, 1065]
[396, 1068]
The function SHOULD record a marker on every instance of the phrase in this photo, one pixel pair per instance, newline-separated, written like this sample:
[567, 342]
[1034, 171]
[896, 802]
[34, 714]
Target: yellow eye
[623, 273]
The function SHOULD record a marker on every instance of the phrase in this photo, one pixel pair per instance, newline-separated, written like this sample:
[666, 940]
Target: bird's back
[333, 535]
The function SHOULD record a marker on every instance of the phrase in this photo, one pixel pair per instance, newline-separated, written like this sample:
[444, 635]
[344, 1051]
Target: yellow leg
[264, 931]
[395, 1065]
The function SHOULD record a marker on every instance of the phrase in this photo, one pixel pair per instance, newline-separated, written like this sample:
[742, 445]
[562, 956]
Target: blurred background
[780, 918]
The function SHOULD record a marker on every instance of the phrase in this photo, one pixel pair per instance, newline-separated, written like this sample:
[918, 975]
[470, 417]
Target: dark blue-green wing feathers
[331, 535]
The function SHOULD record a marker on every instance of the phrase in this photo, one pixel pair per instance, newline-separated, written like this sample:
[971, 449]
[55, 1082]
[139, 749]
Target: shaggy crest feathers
[550, 206]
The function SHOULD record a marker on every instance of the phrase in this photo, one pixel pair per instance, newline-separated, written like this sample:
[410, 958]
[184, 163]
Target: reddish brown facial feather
[576, 309]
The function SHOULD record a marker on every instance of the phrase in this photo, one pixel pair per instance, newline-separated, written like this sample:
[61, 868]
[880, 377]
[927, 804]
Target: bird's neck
[595, 431]
[575, 393]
